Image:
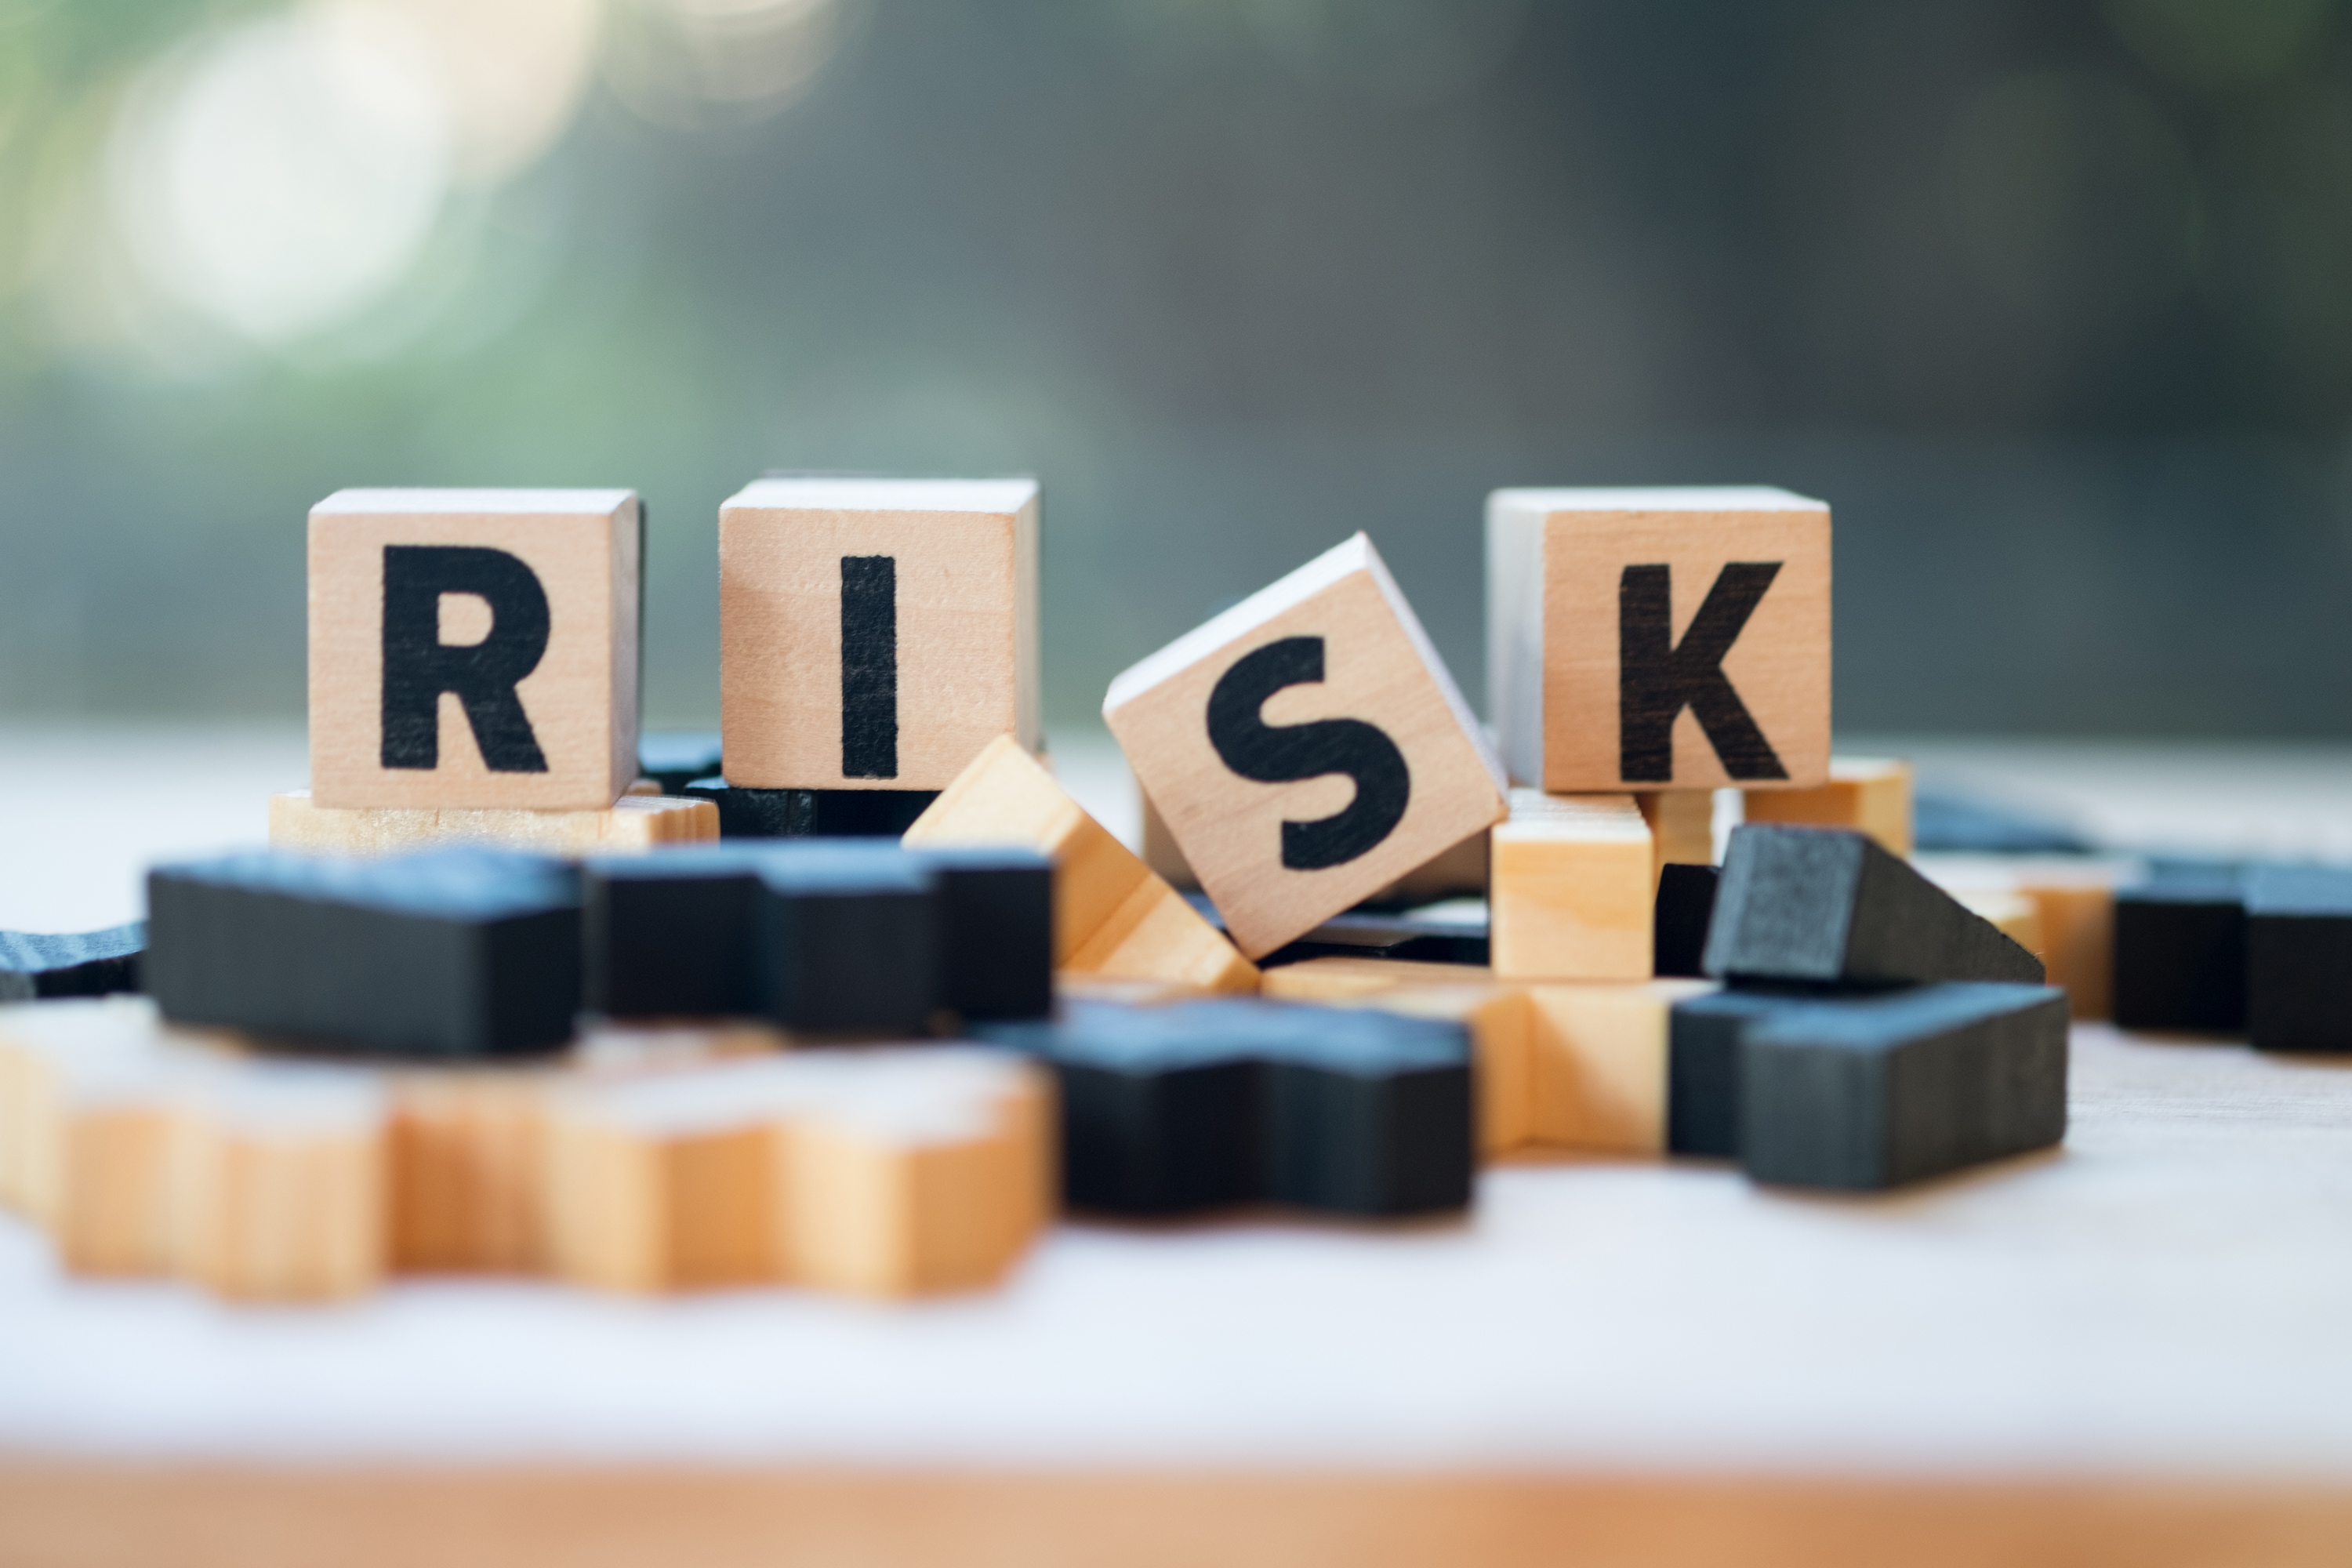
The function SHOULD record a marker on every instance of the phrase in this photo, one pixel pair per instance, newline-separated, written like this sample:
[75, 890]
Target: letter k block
[474, 649]
[1642, 640]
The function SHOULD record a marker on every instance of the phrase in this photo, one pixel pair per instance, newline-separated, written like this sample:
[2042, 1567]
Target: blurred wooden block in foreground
[1113, 916]
[1870, 794]
[635, 822]
[876, 1172]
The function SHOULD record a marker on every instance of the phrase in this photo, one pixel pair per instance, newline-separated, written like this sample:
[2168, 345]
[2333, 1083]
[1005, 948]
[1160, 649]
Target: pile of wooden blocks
[855, 1001]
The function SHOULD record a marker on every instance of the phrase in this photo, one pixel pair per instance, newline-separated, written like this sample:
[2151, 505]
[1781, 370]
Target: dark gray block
[1170, 1109]
[2180, 950]
[1703, 1096]
[996, 920]
[454, 952]
[1827, 906]
[1685, 908]
[811, 812]
[672, 933]
[2299, 958]
[850, 938]
[81, 963]
[1872, 1091]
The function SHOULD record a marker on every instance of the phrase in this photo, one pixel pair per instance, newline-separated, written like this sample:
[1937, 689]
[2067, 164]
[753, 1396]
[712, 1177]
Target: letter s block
[474, 649]
[1306, 748]
[1641, 639]
[875, 633]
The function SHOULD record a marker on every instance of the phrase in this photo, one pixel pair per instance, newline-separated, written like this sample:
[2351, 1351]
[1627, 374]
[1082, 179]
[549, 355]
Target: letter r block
[1306, 748]
[1642, 640]
[875, 633]
[474, 649]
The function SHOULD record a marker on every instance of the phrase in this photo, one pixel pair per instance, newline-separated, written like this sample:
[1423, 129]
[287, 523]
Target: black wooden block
[1361, 934]
[453, 952]
[1828, 906]
[2299, 958]
[677, 758]
[1702, 1097]
[2180, 950]
[811, 813]
[850, 938]
[1685, 905]
[1871, 1091]
[1170, 1109]
[671, 934]
[81, 963]
[996, 930]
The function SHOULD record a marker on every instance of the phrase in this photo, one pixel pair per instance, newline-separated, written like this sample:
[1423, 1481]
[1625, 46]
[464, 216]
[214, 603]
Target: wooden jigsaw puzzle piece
[1574, 889]
[1869, 795]
[1113, 917]
[461, 952]
[79, 964]
[634, 823]
[1828, 906]
[1242, 731]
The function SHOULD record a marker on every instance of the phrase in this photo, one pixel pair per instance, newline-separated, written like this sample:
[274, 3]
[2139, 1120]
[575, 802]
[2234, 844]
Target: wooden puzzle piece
[1869, 795]
[1574, 889]
[880, 1172]
[673, 759]
[1600, 1065]
[468, 952]
[633, 823]
[1685, 907]
[1205, 1104]
[1872, 1091]
[1826, 906]
[2299, 958]
[875, 633]
[2180, 950]
[811, 813]
[1306, 748]
[474, 649]
[1112, 916]
[79, 964]
[463, 1161]
[1637, 638]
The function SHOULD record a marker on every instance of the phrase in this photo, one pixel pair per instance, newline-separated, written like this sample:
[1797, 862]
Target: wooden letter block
[632, 823]
[1600, 1065]
[1574, 889]
[1639, 639]
[474, 647]
[875, 633]
[1306, 748]
[1870, 794]
[1112, 916]
[881, 1173]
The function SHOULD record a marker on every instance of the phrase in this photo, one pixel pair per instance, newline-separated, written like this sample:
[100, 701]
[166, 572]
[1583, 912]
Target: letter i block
[875, 634]
[474, 649]
[1307, 747]
[1642, 640]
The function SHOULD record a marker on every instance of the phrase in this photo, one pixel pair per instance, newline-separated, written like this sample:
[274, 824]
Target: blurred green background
[2052, 302]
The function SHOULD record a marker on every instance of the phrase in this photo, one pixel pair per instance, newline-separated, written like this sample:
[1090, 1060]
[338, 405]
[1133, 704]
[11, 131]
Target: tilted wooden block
[632, 824]
[474, 647]
[1458, 872]
[1637, 638]
[1599, 1064]
[1869, 795]
[77, 964]
[1112, 916]
[875, 633]
[880, 1172]
[1681, 825]
[1235, 1100]
[1307, 747]
[1574, 890]
[466, 951]
[1824, 905]
[281, 1182]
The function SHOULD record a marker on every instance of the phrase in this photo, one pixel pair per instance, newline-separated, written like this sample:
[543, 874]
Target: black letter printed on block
[869, 667]
[1286, 753]
[1658, 678]
[418, 666]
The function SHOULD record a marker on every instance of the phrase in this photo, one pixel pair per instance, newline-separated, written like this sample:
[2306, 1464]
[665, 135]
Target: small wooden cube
[875, 633]
[1870, 794]
[630, 825]
[1599, 1064]
[1639, 638]
[1682, 822]
[1307, 747]
[1573, 895]
[474, 649]
[1113, 917]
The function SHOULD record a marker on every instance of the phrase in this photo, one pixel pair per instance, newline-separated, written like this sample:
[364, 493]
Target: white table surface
[2169, 1292]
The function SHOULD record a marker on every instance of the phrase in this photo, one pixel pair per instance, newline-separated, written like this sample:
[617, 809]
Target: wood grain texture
[1871, 795]
[964, 571]
[634, 822]
[1373, 665]
[98, 1514]
[1458, 872]
[465, 1170]
[580, 697]
[1681, 825]
[1556, 561]
[1113, 917]
[1574, 890]
[1600, 1065]
[884, 1172]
